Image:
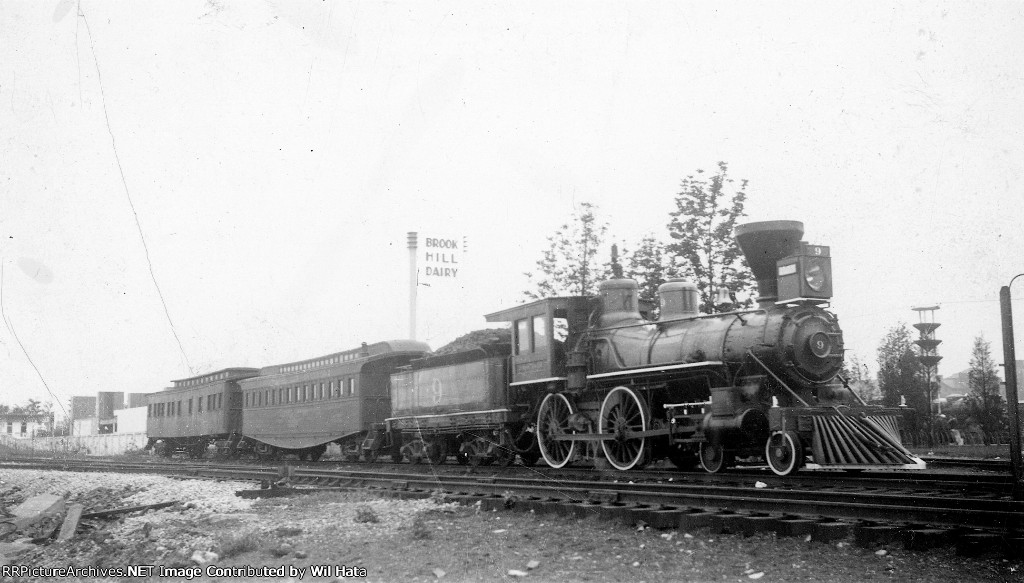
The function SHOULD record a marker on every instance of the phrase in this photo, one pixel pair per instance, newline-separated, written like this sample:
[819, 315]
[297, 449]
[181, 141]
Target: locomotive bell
[679, 298]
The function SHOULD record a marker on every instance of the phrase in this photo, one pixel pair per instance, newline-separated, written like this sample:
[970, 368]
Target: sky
[190, 186]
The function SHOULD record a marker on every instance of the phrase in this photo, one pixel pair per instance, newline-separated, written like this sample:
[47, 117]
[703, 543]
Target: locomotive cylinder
[749, 425]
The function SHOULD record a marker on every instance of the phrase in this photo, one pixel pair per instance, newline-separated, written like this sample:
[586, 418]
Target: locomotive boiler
[696, 387]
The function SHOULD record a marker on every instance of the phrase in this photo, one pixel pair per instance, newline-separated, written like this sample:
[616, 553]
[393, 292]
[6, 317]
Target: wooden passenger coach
[302, 406]
[196, 411]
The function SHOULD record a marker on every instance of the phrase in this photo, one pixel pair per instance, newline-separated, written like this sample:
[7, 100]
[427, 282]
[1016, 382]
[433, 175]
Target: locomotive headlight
[815, 277]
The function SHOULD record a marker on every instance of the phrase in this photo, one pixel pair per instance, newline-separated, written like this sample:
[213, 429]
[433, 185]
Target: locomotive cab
[542, 332]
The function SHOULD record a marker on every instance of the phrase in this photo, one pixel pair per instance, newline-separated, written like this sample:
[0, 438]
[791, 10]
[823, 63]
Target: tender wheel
[715, 458]
[552, 422]
[784, 452]
[436, 452]
[415, 451]
[623, 412]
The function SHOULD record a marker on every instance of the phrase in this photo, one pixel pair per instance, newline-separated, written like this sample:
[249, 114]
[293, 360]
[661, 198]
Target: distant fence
[955, 437]
[107, 444]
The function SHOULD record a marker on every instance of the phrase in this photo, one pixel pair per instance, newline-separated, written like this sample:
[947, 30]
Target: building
[26, 424]
[956, 386]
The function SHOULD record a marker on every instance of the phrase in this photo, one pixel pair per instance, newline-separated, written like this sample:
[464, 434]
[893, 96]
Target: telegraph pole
[1010, 372]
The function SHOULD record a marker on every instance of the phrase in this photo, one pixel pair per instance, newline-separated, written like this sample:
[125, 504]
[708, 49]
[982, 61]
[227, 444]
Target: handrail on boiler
[777, 379]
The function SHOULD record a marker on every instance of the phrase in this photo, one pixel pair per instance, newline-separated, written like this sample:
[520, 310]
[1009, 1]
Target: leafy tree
[702, 231]
[856, 372]
[985, 401]
[569, 265]
[899, 373]
[650, 265]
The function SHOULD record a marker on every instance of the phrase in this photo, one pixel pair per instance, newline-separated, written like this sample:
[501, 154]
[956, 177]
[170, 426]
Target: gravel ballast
[213, 535]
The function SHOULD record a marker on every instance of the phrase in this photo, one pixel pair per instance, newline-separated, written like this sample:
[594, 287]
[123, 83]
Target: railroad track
[989, 465]
[973, 510]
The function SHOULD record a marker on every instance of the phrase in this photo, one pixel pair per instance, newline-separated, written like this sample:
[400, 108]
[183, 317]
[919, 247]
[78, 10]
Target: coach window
[351, 387]
[199, 405]
[190, 406]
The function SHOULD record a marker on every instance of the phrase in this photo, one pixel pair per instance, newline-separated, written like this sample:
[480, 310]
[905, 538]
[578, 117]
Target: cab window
[540, 335]
[522, 336]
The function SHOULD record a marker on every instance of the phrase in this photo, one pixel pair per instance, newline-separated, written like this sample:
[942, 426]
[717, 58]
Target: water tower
[929, 357]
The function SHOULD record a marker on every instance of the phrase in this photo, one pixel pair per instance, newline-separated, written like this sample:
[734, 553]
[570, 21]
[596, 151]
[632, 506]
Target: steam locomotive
[710, 388]
[583, 378]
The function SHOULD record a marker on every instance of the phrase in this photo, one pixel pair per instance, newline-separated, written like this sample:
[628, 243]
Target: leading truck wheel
[623, 413]
[715, 458]
[784, 452]
[553, 422]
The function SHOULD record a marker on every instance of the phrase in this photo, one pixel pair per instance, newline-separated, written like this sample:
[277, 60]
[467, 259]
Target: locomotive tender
[461, 404]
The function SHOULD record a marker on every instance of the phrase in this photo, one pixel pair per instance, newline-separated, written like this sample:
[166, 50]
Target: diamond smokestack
[763, 244]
